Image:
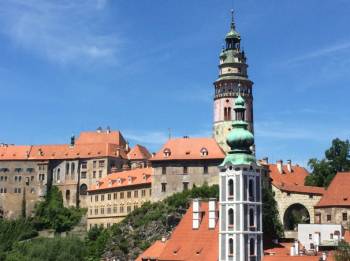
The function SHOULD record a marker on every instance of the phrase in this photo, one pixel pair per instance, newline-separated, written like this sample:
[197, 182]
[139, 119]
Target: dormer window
[204, 152]
[167, 152]
[110, 183]
[119, 181]
[129, 179]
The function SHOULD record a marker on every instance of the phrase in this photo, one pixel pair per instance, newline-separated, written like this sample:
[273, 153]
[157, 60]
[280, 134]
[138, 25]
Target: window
[67, 168]
[96, 211]
[114, 195]
[101, 163]
[204, 152]
[230, 188]
[163, 187]
[128, 194]
[83, 174]
[109, 210]
[121, 209]
[83, 189]
[72, 168]
[230, 248]
[143, 193]
[136, 193]
[41, 177]
[102, 210]
[205, 170]
[185, 186]
[128, 209]
[167, 153]
[109, 196]
[185, 170]
[251, 217]
[252, 247]
[68, 194]
[288, 194]
[331, 236]
[100, 174]
[345, 216]
[329, 218]
[251, 190]
[96, 198]
[94, 164]
[115, 209]
[310, 236]
[311, 196]
[163, 170]
[312, 246]
[230, 217]
[102, 197]
[94, 174]
[83, 164]
[121, 195]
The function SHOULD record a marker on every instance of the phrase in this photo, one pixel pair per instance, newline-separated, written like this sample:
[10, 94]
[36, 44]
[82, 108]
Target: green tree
[343, 252]
[337, 158]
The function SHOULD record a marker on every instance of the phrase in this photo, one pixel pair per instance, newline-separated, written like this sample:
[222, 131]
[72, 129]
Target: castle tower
[240, 231]
[233, 80]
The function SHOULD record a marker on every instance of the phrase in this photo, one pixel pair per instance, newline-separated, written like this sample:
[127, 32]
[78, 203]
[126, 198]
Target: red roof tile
[292, 181]
[190, 149]
[125, 178]
[113, 137]
[139, 153]
[154, 251]
[186, 243]
[338, 192]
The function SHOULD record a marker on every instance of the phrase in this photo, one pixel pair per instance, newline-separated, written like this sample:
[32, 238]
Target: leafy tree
[96, 242]
[337, 159]
[272, 226]
[343, 252]
[52, 214]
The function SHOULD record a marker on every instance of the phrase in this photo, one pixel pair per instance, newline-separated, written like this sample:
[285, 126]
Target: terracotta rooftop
[123, 179]
[153, 252]
[338, 192]
[189, 149]
[292, 181]
[114, 137]
[186, 243]
[139, 152]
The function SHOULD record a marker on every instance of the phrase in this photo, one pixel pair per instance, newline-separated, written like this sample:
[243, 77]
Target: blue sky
[146, 66]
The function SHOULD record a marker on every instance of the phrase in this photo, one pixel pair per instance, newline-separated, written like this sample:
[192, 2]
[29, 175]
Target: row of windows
[16, 178]
[252, 248]
[251, 218]
[251, 190]
[203, 152]
[185, 170]
[108, 225]
[329, 217]
[101, 164]
[185, 186]
[114, 210]
[129, 194]
[18, 170]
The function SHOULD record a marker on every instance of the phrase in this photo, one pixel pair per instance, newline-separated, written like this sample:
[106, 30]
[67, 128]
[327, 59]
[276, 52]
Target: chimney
[72, 141]
[296, 247]
[279, 164]
[212, 213]
[289, 166]
[196, 205]
[99, 130]
[265, 160]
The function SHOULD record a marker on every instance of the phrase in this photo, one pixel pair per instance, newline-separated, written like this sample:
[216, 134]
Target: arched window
[251, 217]
[72, 168]
[251, 190]
[58, 176]
[83, 189]
[230, 248]
[204, 152]
[167, 152]
[230, 217]
[252, 247]
[228, 113]
[230, 188]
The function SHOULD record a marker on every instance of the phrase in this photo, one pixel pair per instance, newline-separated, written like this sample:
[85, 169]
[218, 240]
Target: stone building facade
[183, 163]
[334, 207]
[112, 198]
[232, 81]
[27, 172]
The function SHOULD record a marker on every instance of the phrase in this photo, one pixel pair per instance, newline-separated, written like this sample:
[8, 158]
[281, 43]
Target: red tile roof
[125, 178]
[186, 243]
[139, 153]
[190, 149]
[114, 137]
[292, 181]
[338, 192]
[154, 251]
[64, 151]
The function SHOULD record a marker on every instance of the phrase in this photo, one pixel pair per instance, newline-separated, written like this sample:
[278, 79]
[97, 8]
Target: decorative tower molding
[232, 81]
[240, 231]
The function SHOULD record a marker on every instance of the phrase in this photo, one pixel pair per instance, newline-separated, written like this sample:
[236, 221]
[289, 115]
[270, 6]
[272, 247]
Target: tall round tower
[233, 81]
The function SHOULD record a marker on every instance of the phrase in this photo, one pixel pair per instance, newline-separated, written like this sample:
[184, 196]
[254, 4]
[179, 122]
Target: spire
[239, 138]
[233, 26]
[232, 37]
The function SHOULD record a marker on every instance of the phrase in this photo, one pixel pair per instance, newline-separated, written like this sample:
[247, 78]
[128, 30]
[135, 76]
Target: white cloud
[61, 31]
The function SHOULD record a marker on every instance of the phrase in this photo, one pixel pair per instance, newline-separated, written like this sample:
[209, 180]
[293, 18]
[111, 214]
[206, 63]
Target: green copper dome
[232, 34]
[239, 138]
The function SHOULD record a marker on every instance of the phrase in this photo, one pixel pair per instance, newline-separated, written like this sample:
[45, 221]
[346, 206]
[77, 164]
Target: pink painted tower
[233, 81]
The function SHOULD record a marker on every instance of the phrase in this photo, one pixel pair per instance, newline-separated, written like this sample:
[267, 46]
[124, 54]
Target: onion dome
[233, 34]
[239, 139]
